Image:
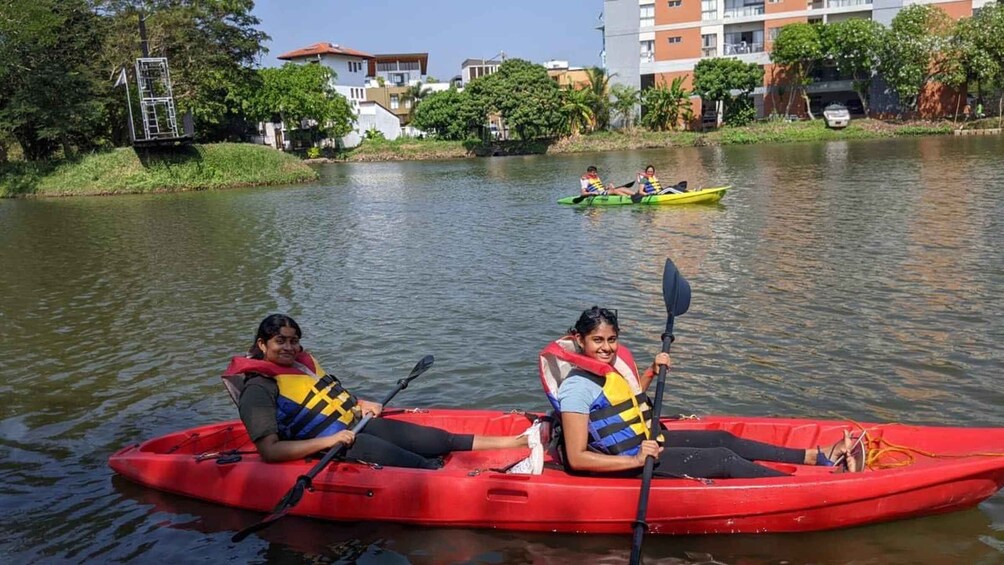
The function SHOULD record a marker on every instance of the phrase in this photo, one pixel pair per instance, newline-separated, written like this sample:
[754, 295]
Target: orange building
[647, 42]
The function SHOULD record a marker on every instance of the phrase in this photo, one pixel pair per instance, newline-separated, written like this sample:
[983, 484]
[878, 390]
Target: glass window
[675, 39]
[648, 15]
[395, 101]
[709, 9]
[674, 3]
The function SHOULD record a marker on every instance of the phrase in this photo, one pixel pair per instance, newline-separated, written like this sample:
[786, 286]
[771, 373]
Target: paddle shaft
[303, 482]
[646, 478]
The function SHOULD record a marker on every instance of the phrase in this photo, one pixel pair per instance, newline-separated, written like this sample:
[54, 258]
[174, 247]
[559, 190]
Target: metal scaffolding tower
[156, 102]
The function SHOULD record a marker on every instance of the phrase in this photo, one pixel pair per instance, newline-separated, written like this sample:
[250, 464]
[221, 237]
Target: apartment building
[649, 42]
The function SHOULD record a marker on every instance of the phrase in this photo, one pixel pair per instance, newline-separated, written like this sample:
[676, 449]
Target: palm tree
[625, 103]
[577, 109]
[411, 97]
[599, 91]
[664, 106]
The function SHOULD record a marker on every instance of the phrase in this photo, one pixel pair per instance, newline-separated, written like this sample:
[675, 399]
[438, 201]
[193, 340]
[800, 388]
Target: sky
[450, 31]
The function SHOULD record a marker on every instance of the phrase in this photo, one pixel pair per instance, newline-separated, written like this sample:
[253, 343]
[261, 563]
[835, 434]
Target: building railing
[846, 3]
[743, 48]
[709, 15]
[709, 52]
[647, 57]
[744, 12]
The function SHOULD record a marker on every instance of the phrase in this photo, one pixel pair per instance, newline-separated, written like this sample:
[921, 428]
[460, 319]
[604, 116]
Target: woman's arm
[575, 430]
[274, 450]
[646, 378]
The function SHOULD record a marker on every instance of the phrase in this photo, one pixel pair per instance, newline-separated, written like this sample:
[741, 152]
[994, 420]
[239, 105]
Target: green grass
[407, 148]
[129, 171]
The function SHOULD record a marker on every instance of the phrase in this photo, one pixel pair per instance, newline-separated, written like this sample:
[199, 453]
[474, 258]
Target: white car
[836, 116]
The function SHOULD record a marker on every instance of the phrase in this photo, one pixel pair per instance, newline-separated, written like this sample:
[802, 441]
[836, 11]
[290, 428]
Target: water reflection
[857, 279]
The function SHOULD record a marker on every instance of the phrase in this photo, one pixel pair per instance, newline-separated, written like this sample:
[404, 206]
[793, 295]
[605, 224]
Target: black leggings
[720, 455]
[403, 444]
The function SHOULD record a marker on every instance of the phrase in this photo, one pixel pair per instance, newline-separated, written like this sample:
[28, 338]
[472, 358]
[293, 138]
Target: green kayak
[703, 196]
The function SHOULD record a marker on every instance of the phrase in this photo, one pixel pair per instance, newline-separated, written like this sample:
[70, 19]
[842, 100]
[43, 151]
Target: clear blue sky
[448, 30]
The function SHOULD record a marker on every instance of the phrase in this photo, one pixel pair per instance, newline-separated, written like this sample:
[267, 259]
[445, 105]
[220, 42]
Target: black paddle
[676, 295]
[638, 197]
[303, 482]
[578, 199]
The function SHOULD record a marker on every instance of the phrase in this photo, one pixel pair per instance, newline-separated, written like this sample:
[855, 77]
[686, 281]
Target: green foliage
[413, 96]
[599, 96]
[740, 112]
[49, 83]
[797, 50]
[577, 110]
[450, 115]
[716, 78]
[855, 46]
[295, 94]
[128, 170]
[664, 106]
[625, 103]
[374, 133]
[526, 98]
[314, 152]
[915, 50]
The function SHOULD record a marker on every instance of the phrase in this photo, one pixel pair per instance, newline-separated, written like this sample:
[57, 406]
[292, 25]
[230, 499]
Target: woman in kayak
[292, 409]
[649, 184]
[591, 185]
[592, 382]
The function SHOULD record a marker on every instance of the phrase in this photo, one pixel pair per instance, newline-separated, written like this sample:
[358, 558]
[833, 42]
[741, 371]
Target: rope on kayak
[876, 448]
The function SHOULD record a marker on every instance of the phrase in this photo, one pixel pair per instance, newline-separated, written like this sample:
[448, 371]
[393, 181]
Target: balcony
[709, 15]
[743, 12]
[647, 57]
[847, 3]
[743, 48]
[709, 52]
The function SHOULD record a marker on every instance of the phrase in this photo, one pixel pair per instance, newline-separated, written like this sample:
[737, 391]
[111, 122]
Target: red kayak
[920, 471]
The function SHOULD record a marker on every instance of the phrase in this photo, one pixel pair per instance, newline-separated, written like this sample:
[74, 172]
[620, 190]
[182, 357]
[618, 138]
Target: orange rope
[877, 448]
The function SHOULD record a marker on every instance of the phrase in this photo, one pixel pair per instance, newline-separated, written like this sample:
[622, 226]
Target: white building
[350, 67]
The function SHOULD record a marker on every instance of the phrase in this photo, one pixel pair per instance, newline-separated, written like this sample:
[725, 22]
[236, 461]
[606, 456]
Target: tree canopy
[296, 93]
[797, 49]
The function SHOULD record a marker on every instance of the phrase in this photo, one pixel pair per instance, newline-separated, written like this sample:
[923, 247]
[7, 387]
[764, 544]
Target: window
[407, 103]
[709, 9]
[395, 102]
[709, 45]
[675, 39]
[647, 50]
[674, 3]
[355, 67]
[772, 32]
[648, 15]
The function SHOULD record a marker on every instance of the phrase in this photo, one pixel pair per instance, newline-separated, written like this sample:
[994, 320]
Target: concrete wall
[373, 115]
[621, 43]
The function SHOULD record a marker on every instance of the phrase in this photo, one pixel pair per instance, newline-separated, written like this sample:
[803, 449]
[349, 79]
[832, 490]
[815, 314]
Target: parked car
[836, 116]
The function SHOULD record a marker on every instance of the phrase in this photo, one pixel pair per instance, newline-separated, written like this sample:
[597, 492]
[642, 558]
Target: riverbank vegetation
[127, 170]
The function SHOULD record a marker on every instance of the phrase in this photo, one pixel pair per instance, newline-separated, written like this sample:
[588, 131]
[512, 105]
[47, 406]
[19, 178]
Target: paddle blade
[675, 293]
[636, 198]
[422, 366]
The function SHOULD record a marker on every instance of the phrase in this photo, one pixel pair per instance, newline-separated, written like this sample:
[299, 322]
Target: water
[858, 280]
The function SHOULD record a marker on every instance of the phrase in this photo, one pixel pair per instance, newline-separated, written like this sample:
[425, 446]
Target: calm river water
[862, 280]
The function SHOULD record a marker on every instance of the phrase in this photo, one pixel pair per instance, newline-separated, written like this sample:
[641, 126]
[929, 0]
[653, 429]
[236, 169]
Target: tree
[449, 114]
[625, 103]
[298, 93]
[664, 106]
[412, 96]
[599, 96]
[797, 50]
[717, 78]
[526, 98]
[915, 50]
[577, 110]
[854, 45]
[211, 46]
[980, 40]
[49, 84]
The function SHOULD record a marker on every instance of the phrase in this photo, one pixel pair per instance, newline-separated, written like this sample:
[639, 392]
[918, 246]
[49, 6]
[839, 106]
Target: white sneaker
[534, 463]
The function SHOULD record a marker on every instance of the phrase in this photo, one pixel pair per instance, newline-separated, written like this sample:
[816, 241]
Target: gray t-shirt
[578, 391]
[257, 406]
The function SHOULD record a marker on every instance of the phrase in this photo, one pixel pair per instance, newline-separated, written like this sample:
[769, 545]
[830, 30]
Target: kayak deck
[469, 492]
[702, 196]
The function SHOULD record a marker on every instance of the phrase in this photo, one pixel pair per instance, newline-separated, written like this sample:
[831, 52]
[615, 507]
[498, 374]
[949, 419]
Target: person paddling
[593, 384]
[591, 185]
[292, 409]
[649, 184]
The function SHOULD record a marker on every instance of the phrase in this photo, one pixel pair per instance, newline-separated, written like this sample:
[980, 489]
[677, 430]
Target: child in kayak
[591, 185]
[649, 184]
[600, 401]
[292, 409]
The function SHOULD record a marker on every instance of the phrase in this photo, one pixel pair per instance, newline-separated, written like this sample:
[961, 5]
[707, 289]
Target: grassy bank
[762, 132]
[128, 170]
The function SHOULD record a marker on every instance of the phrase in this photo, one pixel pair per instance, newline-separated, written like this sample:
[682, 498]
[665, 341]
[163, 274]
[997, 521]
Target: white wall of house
[350, 82]
[373, 115]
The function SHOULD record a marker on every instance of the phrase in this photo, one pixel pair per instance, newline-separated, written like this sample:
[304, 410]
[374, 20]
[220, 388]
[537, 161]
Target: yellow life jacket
[594, 184]
[311, 402]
